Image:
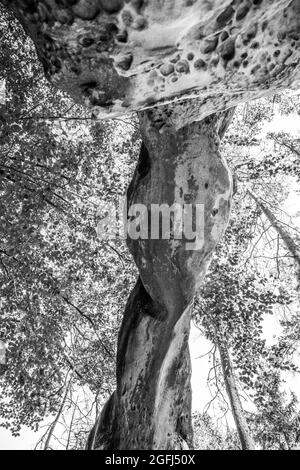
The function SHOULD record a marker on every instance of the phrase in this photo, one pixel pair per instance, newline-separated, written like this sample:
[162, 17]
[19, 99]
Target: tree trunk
[58, 415]
[290, 146]
[237, 410]
[291, 245]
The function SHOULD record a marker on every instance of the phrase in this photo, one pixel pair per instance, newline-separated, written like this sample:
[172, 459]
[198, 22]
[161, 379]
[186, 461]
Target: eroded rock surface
[151, 408]
[117, 56]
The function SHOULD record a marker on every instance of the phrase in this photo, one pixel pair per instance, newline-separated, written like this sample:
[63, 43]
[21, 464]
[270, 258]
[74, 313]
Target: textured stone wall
[117, 56]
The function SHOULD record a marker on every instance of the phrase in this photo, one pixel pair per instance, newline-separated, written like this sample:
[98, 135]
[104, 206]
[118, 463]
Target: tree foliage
[62, 289]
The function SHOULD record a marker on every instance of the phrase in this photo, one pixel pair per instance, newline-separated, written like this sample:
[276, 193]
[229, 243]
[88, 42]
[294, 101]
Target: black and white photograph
[149, 228]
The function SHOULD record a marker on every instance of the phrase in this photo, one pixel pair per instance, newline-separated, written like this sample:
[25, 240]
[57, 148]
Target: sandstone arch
[180, 64]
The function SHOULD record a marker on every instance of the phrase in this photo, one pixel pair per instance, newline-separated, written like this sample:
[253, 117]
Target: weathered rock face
[117, 56]
[179, 168]
[176, 62]
[151, 408]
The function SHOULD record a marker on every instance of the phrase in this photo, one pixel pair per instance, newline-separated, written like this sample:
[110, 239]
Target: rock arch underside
[182, 65]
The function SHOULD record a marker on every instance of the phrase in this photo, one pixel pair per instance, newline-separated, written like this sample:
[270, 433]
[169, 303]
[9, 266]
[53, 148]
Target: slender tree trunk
[58, 415]
[287, 145]
[289, 242]
[237, 410]
[71, 426]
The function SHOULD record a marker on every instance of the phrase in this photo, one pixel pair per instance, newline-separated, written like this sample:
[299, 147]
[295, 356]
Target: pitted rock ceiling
[120, 56]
